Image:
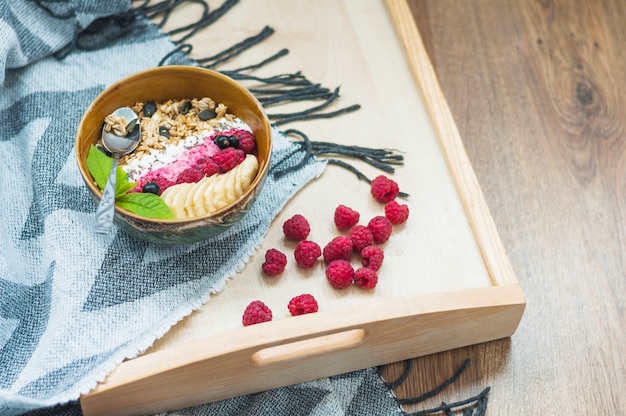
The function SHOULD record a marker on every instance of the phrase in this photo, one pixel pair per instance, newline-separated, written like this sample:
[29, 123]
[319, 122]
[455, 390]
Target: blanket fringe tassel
[472, 406]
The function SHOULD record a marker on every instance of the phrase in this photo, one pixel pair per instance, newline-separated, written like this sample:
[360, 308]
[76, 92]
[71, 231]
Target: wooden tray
[446, 281]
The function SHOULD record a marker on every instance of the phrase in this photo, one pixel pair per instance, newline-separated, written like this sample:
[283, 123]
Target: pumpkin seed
[164, 132]
[149, 108]
[207, 115]
[186, 107]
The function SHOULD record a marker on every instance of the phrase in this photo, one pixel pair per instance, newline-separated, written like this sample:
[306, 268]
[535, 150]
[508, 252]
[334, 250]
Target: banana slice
[175, 196]
[250, 168]
[208, 194]
[189, 200]
[239, 186]
[197, 202]
[229, 185]
[219, 192]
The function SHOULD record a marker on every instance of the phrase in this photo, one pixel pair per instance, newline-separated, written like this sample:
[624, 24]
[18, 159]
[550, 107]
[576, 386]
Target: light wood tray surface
[445, 281]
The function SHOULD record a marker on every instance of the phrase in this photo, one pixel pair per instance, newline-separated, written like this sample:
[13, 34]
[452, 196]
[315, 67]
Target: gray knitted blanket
[73, 303]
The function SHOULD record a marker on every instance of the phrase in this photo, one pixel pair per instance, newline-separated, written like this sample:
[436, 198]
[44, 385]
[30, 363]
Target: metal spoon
[118, 146]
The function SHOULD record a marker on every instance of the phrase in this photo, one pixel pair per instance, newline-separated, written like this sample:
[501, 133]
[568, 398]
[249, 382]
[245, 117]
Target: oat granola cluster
[173, 120]
[117, 124]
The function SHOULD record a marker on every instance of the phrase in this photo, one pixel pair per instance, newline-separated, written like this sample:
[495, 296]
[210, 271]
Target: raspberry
[384, 189]
[338, 248]
[339, 274]
[275, 262]
[247, 141]
[361, 237]
[302, 304]
[381, 228]
[372, 257]
[189, 175]
[345, 217]
[208, 166]
[396, 213]
[306, 253]
[296, 228]
[255, 313]
[228, 158]
[365, 278]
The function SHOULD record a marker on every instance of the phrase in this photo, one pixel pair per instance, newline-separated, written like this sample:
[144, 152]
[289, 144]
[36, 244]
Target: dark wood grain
[538, 92]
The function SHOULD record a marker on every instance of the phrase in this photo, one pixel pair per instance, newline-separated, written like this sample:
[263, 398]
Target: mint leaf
[146, 205]
[99, 166]
[122, 184]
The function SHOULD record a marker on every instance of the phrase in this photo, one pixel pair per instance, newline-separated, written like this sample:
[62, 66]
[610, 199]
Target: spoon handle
[104, 214]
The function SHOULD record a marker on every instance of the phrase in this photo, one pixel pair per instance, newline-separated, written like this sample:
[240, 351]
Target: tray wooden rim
[309, 347]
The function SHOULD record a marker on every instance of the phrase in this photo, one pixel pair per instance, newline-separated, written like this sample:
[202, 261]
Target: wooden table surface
[538, 92]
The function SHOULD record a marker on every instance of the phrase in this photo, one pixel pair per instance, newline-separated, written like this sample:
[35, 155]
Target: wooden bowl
[162, 84]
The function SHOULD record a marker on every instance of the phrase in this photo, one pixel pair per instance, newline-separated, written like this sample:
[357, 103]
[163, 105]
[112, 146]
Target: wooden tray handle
[309, 348]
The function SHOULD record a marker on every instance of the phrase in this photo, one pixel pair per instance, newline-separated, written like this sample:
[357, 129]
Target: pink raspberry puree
[187, 159]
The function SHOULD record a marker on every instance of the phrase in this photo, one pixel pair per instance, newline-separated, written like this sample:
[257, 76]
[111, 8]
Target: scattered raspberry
[247, 141]
[228, 158]
[372, 257]
[302, 304]
[381, 228]
[384, 189]
[365, 278]
[338, 248]
[340, 273]
[255, 313]
[208, 166]
[345, 217]
[361, 237]
[189, 175]
[275, 262]
[396, 213]
[306, 253]
[296, 228]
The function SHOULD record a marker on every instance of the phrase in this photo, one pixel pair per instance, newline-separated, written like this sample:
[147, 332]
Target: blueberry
[151, 188]
[226, 141]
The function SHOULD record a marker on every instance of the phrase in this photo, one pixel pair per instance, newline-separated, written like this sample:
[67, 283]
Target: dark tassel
[478, 402]
[309, 150]
[408, 366]
[296, 79]
[183, 48]
[308, 114]
[305, 158]
[165, 8]
[264, 62]
[383, 159]
[311, 92]
[439, 388]
[236, 49]
[480, 399]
